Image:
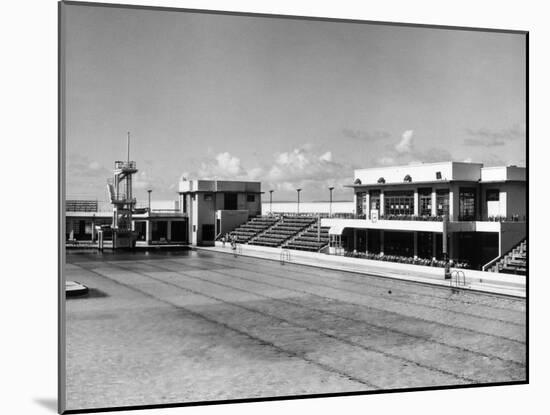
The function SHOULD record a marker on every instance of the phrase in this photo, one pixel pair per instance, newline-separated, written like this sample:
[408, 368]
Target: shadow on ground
[48, 403]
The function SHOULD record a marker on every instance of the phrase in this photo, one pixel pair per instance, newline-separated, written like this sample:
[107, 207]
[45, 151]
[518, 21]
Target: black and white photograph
[258, 207]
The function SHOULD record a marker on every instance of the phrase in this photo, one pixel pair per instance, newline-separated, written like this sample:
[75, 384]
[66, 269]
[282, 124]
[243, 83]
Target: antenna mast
[128, 146]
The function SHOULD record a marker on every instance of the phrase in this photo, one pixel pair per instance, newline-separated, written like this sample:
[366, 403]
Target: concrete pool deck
[488, 282]
[196, 326]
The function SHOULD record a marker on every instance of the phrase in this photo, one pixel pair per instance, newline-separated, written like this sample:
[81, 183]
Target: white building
[216, 207]
[406, 210]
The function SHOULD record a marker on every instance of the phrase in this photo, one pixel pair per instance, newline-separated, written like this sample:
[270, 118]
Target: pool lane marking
[329, 274]
[391, 299]
[345, 341]
[256, 339]
[361, 277]
[522, 342]
[322, 311]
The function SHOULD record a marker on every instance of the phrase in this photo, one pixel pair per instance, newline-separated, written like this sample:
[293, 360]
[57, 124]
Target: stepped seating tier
[253, 227]
[285, 229]
[514, 262]
[310, 240]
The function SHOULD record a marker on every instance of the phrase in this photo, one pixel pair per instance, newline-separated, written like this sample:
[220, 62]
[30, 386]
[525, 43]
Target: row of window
[402, 202]
[229, 200]
[231, 196]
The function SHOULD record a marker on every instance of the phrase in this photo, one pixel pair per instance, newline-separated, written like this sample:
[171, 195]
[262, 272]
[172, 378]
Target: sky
[291, 103]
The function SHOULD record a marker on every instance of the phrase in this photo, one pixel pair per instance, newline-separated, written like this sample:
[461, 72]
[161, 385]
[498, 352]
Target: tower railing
[125, 164]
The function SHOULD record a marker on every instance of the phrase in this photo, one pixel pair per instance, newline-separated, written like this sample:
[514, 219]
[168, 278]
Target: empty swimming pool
[193, 326]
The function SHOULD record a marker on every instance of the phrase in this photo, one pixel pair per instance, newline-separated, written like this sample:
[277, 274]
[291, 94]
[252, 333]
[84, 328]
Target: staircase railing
[493, 262]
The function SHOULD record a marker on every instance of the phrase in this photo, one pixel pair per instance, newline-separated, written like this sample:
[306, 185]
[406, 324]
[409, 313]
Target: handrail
[285, 256]
[125, 164]
[491, 263]
[498, 258]
[457, 280]
[237, 249]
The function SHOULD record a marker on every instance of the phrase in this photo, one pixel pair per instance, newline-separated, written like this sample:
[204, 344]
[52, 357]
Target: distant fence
[81, 205]
[320, 215]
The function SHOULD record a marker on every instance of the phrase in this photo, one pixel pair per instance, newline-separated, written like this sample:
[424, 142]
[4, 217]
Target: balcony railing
[511, 218]
[459, 263]
[425, 218]
[121, 198]
[122, 165]
[322, 215]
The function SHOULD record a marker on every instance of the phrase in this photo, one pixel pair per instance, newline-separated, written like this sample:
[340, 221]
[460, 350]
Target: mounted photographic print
[258, 207]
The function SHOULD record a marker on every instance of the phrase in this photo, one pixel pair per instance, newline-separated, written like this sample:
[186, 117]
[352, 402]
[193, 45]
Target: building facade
[464, 211]
[216, 207]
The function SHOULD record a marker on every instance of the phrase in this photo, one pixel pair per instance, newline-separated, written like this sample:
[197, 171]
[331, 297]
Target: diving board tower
[123, 201]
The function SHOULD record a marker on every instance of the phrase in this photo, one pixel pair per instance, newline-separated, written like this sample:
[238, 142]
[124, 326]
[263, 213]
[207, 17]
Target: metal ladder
[285, 256]
[458, 278]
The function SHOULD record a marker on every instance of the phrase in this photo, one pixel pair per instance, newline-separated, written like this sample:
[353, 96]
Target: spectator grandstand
[286, 228]
[253, 227]
[312, 239]
[289, 231]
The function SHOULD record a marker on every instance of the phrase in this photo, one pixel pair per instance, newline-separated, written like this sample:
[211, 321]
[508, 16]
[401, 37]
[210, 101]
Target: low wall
[230, 219]
[475, 279]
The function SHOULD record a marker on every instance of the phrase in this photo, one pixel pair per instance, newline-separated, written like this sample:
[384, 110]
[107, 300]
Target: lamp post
[149, 191]
[271, 201]
[331, 188]
[298, 191]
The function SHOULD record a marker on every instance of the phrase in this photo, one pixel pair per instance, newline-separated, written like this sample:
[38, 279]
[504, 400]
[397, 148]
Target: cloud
[433, 155]
[365, 135]
[94, 165]
[223, 166]
[326, 157]
[302, 167]
[493, 138]
[85, 178]
[405, 152]
[142, 181]
[386, 161]
[406, 144]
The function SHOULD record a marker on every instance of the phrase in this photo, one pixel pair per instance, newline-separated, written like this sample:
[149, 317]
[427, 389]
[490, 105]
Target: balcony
[338, 224]
[122, 199]
[125, 165]
[425, 218]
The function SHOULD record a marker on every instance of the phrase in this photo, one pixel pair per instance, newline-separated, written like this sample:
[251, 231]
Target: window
[493, 195]
[207, 196]
[438, 175]
[250, 198]
[230, 201]
[467, 204]
[184, 199]
[208, 232]
[425, 202]
[399, 203]
[375, 200]
[361, 201]
[442, 202]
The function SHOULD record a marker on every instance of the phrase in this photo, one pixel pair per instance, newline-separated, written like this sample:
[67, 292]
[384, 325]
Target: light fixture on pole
[298, 207]
[271, 201]
[331, 188]
[149, 191]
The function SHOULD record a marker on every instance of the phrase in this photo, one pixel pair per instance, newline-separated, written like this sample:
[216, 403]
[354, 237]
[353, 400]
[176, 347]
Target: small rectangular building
[216, 207]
